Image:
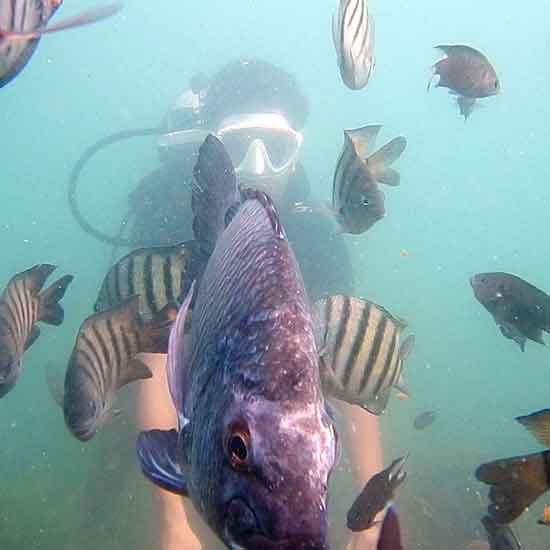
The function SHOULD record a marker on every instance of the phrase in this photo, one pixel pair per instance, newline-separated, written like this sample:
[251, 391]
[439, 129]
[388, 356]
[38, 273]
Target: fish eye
[237, 448]
[365, 201]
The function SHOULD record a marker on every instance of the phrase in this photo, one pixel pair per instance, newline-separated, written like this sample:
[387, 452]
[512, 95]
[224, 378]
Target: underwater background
[474, 197]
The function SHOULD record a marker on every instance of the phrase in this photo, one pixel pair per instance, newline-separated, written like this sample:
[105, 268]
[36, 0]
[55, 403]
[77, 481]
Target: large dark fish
[520, 310]
[515, 483]
[538, 423]
[390, 532]
[22, 305]
[23, 22]
[255, 445]
[357, 200]
[158, 275]
[500, 536]
[353, 36]
[104, 359]
[361, 354]
[377, 492]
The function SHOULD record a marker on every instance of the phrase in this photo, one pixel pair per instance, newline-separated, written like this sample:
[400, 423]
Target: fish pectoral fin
[54, 381]
[33, 336]
[157, 452]
[135, 370]
[389, 177]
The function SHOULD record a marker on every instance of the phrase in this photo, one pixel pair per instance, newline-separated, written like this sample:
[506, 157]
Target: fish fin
[157, 331]
[396, 475]
[378, 404]
[33, 336]
[157, 452]
[538, 423]
[50, 310]
[54, 381]
[363, 138]
[386, 155]
[175, 364]
[85, 18]
[390, 532]
[499, 532]
[406, 347]
[135, 370]
[515, 483]
[216, 191]
[512, 333]
[389, 177]
[35, 276]
[432, 78]
[400, 387]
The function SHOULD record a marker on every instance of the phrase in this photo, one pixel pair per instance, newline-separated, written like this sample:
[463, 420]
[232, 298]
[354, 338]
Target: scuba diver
[258, 112]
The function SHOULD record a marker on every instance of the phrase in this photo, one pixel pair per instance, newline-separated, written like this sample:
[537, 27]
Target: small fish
[376, 494]
[423, 420]
[500, 536]
[390, 532]
[158, 275]
[104, 359]
[23, 22]
[353, 36]
[515, 483]
[545, 517]
[361, 354]
[357, 200]
[22, 305]
[519, 309]
[466, 72]
[538, 423]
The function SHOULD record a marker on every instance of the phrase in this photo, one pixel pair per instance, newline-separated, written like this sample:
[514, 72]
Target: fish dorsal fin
[270, 209]
[460, 49]
[176, 368]
[35, 276]
[50, 310]
[363, 139]
[385, 156]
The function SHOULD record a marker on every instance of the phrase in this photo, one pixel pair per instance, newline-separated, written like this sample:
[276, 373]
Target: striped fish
[357, 201]
[353, 36]
[360, 350]
[159, 275]
[104, 359]
[23, 22]
[22, 305]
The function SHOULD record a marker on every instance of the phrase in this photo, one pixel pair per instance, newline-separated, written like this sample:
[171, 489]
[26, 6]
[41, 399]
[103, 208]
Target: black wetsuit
[161, 215]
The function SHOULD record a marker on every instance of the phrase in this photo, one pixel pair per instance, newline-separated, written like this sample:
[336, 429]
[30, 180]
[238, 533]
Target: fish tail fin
[538, 424]
[157, 331]
[85, 18]
[515, 483]
[50, 310]
[390, 532]
[380, 161]
[215, 192]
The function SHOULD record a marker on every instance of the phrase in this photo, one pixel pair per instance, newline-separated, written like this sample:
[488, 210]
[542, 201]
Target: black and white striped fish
[159, 275]
[23, 22]
[357, 201]
[104, 359]
[353, 36]
[22, 305]
[361, 353]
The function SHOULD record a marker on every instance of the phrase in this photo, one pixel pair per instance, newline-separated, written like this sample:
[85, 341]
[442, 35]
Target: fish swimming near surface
[468, 75]
[23, 303]
[353, 37]
[500, 536]
[515, 483]
[160, 276]
[357, 201]
[519, 309]
[104, 359]
[425, 419]
[255, 444]
[376, 494]
[361, 352]
[23, 22]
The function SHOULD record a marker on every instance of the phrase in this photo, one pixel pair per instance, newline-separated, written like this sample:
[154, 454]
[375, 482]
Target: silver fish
[255, 444]
[353, 36]
[104, 359]
[23, 22]
[22, 305]
[357, 201]
[361, 354]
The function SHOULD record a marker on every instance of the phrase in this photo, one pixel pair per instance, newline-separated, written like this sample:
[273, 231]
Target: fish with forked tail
[357, 201]
[255, 444]
[22, 305]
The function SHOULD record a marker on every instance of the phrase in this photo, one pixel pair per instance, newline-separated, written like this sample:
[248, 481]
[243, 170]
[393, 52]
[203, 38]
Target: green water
[474, 197]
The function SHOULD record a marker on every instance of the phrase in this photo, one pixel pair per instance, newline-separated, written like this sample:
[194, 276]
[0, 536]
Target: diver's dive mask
[261, 145]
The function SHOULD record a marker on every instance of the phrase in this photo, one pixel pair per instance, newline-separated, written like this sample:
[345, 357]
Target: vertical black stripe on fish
[87, 368]
[342, 326]
[130, 276]
[16, 308]
[546, 461]
[374, 351]
[148, 281]
[353, 175]
[328, 319]
[167, 279]
[106, 350]
[27, 299]
[347, 165]
[97, 363]
[388, 360]
[359, 23]
[114, 341]
[121, 271]
[357, 343]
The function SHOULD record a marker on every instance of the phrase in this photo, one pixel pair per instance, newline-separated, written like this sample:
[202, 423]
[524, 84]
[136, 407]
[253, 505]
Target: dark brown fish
[376, 494]
[466, 72]
[425, 419]
[22, 305]
[23, 22]
[500, 536]
[520, 310]
[515, 483]
[390, 532]
[538, 423]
